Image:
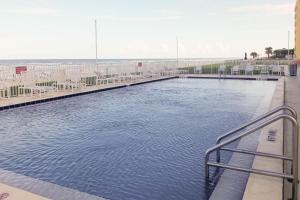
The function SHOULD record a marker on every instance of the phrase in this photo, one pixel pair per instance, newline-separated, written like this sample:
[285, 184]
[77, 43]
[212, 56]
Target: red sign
[21, 69]
[297, 62]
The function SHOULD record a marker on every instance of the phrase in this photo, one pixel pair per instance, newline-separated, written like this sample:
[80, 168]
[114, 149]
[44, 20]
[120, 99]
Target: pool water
[139, 142]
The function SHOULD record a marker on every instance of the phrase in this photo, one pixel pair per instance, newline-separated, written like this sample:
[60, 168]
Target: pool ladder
[265, 120]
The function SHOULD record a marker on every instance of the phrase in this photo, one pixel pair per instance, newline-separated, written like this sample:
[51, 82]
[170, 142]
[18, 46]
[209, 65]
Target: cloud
[154, 16]
[170, 14]
[34, 11]
[270, 9]
[44, 8]
[25, 8]
[209, 49]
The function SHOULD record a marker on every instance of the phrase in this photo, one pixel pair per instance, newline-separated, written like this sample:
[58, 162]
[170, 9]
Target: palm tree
[269, 51]
[254, 54]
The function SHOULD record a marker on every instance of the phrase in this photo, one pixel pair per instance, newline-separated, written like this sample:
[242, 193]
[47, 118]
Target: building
[283, 53]
[297, 29]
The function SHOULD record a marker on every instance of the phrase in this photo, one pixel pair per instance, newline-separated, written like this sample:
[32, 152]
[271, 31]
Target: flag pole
[96, 40]
[177, 58]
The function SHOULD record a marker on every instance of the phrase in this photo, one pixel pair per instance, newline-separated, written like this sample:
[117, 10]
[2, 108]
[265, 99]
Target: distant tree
[269, 51]
[282, 53]
[254, 55]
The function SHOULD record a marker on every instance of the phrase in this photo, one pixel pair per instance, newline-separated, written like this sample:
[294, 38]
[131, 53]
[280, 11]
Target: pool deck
[260, 187]
[12, 193]
[292, 98]
[20, 187]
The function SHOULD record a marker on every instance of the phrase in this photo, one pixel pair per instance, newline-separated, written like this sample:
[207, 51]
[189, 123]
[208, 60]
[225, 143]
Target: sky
[62, 29]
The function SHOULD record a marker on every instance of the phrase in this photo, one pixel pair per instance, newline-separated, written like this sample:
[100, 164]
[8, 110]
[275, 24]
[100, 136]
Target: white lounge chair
[264, 70]
[249, 69]
[198, 70]
[235, 70]
[28, 81]
[74, 79]
[277, 69]
[6, 82]
[222, 69]
[65, 81]
[106, 76]
[4, 89]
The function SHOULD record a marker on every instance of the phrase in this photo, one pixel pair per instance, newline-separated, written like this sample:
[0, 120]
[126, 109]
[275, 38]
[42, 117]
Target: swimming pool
[140, 142]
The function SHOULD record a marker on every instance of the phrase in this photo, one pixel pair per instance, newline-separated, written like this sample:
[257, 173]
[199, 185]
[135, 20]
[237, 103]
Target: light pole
[177, 52]
[96, 40]
[288, 47]
[288, 42]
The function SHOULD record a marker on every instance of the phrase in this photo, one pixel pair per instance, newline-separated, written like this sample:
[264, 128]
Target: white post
[288, 47]
[96, 40]
[177, 52]
[288, 42]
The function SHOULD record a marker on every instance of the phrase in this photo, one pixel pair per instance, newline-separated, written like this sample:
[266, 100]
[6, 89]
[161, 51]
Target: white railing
[67, 76]
[50, 77]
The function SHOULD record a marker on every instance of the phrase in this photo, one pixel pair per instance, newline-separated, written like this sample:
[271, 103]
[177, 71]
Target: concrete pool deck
[12, 193]
[260, 187]
[19, 187]
[292, 98]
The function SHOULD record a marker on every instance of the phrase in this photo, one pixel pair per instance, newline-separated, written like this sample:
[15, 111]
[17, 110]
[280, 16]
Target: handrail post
[206, 167]
[218, 155]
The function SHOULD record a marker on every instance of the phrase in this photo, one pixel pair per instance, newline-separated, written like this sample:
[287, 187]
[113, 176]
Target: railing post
[218, 155]
[206, 167]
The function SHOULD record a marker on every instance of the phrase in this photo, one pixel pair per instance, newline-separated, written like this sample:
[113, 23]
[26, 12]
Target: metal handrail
[244, 151]
[294, 174]
[256, 171]
[254, 121]
[271, 112]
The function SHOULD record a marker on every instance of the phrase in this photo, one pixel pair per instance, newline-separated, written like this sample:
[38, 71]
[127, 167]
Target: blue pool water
[140, 142]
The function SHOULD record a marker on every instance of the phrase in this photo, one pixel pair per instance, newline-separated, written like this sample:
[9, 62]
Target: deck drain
[4, 196]
[272, 135]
